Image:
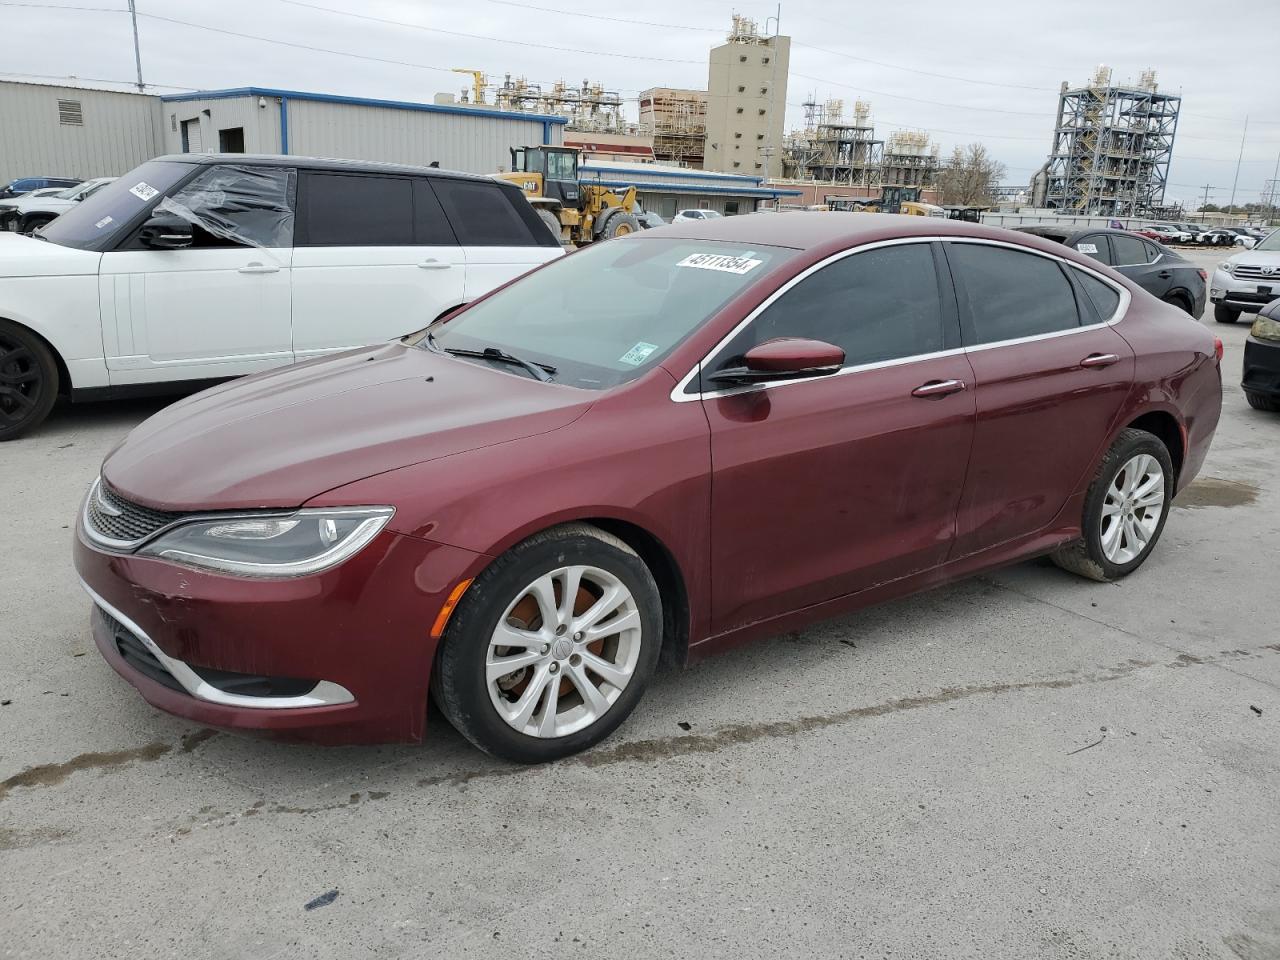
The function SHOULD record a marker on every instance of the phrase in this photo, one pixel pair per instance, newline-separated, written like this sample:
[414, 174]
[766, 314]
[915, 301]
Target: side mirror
[159, 233]
[784, 358]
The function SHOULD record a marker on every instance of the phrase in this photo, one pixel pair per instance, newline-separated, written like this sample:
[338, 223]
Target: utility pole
[773, 94]
[1239, 160]
[137, 52]
[1205, 202]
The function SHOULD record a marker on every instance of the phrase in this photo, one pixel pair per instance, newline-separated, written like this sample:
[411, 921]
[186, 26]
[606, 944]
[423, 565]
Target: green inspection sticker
[638, 354]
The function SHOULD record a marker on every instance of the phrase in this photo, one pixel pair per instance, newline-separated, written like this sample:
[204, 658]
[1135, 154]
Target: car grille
[111, 516]
[136, 655]
[1254, 271]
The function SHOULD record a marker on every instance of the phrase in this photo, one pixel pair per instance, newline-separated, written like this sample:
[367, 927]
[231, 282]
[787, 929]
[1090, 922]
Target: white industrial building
[52, 130]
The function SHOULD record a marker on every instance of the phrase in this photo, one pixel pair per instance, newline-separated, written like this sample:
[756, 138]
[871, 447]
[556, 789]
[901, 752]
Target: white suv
[193, 269]
[1246, 282]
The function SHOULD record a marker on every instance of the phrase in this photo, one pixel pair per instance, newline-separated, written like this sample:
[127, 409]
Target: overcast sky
[1000, 61]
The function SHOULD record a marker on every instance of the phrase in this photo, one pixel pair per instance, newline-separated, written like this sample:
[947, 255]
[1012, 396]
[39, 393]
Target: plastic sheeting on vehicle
[246, 205]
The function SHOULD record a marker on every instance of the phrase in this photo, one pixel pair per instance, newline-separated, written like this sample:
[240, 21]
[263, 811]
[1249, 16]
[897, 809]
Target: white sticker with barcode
[718, 261]
[638, 354]
[143, 190]
[1087, 247]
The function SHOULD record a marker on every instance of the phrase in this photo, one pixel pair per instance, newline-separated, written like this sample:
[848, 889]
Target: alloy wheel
[563, 651]
[1132, 508]
[21, 381]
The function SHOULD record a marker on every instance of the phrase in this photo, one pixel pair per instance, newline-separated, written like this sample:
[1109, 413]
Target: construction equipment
[577, 211]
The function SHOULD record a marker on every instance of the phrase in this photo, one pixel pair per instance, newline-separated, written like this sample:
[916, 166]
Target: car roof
[807, 230]
[324, 163]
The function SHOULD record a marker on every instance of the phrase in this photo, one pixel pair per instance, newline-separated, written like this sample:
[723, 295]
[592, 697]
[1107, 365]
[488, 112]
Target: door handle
[1099, 360]
[434, 265]
[1164, 274]
[937, 389]
[256, 267]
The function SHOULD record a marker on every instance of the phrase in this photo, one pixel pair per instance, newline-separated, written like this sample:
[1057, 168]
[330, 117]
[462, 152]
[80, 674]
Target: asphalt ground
[1024, 764]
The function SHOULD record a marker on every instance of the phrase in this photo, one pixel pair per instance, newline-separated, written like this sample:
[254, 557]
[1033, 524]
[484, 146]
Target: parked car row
[1201, 234]
[25, 186]
[30, 212]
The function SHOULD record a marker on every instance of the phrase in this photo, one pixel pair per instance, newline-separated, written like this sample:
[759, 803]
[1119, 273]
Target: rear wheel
[1224, 314]
[552, 646]
[1124, 510]
[619, 225]
[1260, 402]
[34, 222]
[28, 380]
[553, 224]
[1178, 300]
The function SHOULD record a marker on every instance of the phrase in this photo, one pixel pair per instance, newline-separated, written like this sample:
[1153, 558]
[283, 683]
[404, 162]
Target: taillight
[1217, 348]
[1203, 275]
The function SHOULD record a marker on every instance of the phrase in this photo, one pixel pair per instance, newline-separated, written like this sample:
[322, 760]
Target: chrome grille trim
[120, 524]
[1254, 271]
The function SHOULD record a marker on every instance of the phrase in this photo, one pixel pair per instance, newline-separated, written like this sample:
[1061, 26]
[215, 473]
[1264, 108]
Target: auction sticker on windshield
[638, 354]
[1087, 247]
[143, 190]
[718, 261]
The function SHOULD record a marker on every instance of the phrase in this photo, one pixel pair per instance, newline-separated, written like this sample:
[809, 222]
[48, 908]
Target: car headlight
[1227, 267]
[286, 545]
[1264, 328]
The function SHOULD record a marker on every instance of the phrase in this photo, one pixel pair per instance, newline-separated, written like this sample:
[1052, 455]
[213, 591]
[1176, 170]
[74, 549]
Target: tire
[1116, 477]
[509, 717]
[34, 222]
[620, 224]
[1260, 402]
[1179, 301]
[1224, 314]
[28, 380]
[549, 218]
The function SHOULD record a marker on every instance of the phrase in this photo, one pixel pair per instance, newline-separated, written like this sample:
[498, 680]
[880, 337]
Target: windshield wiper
[539, 371]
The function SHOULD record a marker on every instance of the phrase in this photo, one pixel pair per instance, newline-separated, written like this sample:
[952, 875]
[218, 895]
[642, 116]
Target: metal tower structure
[1111, 147]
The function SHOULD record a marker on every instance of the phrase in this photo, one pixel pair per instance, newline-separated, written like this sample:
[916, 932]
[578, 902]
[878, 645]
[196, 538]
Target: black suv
[1151, 265]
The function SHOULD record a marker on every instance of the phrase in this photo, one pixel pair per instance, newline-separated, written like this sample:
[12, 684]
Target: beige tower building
[747, 102]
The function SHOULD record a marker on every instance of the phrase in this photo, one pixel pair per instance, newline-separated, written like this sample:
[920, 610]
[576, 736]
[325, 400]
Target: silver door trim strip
[679, 396]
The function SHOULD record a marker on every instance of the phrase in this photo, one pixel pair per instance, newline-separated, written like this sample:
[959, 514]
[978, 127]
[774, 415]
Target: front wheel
[552, 646]
[28, 380]
[1124, 510]
[1224, 314]
[620, 225]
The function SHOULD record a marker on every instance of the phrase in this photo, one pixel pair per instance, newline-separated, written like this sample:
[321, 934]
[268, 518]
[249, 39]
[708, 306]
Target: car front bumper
[1262, 367]
[340, 657]
[1246, 295]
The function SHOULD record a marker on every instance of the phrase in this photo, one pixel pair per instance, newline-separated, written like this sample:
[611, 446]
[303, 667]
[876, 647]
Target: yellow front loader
[578, 212]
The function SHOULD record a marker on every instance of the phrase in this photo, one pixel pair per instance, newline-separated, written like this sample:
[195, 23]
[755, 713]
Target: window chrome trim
[679, 396]
[325, 693]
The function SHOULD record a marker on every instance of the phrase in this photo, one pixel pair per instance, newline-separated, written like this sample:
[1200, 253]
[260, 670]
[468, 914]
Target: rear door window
[1130, 251]
[351, 210]
[1105, 298]
[1010, 294]
[483, 214]
[883, 304]
[1095, 245]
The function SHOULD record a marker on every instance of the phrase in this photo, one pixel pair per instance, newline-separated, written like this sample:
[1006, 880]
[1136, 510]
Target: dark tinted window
[1011, 294]
[878, 305]
[1095, 245]
[431, 227]
[1104, 296]
[1130, 250]
[347, 210]
[483, 215]
[95, 223]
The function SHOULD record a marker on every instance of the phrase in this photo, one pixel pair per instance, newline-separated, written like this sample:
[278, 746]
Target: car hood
[28, 257]
[1261, 258]
[280, 438]
[45, 204]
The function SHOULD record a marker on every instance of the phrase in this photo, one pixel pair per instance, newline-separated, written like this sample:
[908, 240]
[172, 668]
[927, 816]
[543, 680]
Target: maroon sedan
[661, 446]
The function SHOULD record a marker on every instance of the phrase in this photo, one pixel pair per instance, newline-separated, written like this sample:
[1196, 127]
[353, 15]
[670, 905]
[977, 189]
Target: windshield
[69, 192]
[101, 215]
[1271, 243]
[608, 313]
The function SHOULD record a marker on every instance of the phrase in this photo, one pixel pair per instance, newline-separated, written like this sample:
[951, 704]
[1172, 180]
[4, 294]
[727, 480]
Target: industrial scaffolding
[678, 121]
[587, 107]
[1111, 147]
[833, 150]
